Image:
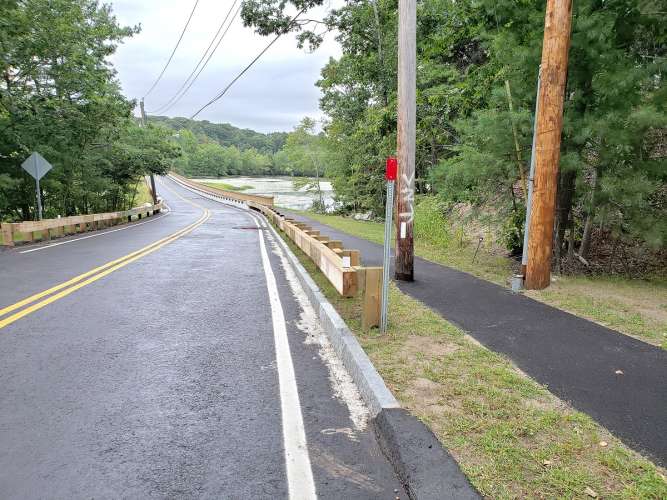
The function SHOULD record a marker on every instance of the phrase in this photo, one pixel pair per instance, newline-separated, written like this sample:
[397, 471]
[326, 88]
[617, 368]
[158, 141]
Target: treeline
[59, 96]
[297, 153]
[475, 57]
[225, 134]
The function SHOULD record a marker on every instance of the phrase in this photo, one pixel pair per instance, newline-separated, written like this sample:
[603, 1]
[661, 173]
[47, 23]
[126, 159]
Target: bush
[430, 223]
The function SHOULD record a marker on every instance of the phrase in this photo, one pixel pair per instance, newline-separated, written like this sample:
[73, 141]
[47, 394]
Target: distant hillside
[226, 134]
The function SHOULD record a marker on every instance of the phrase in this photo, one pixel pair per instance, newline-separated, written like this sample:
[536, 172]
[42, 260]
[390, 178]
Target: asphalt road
[190, 370]
[618, 380]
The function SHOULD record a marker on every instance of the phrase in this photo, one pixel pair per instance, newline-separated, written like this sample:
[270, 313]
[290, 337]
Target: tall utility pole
[557, 28]
[407, 111]
[143, 124]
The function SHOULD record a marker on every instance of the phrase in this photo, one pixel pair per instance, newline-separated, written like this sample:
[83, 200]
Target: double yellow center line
[42, 299]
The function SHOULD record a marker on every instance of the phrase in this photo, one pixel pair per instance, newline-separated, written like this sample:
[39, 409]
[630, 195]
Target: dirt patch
[424, 392]
[418, 348]
[545, 403]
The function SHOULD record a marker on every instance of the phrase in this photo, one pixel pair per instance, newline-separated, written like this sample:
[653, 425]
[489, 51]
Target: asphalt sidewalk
[620, 381]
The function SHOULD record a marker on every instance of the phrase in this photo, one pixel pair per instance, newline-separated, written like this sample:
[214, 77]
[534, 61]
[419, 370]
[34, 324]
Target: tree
[59, 96]
[307, 153]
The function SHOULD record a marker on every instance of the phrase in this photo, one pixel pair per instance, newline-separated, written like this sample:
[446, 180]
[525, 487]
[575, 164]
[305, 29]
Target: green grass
[612, 302]
[226, 187]
[634, 307]
[512, 438]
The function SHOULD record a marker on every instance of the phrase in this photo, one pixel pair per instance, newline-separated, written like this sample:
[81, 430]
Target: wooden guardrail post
[371, 277]
[7, 234]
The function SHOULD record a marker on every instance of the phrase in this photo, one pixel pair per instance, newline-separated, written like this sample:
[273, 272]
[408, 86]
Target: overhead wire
[189, 81]
[185, 28]
[224, 91]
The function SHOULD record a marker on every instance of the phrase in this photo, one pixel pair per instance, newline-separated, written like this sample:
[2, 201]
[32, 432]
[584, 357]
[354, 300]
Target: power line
[224, 91]
[173, 51]
[176, 97]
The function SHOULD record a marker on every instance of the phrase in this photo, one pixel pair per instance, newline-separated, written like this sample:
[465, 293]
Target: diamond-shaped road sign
[36, 166]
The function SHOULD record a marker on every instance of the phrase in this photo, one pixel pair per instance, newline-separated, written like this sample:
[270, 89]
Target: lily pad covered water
[283, 189]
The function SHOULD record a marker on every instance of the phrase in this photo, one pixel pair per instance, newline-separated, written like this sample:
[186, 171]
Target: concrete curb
[425, 468]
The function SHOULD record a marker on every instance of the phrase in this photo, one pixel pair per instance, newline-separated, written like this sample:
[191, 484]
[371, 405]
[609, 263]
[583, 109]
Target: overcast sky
[273, 95]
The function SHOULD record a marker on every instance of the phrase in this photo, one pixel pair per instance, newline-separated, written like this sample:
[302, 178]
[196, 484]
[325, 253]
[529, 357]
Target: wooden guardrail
[342, 267]
[222, 193]
[42, 230]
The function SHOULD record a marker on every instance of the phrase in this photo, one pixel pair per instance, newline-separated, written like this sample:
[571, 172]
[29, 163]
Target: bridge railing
[48, 228]
[341, 266]
[223, 193]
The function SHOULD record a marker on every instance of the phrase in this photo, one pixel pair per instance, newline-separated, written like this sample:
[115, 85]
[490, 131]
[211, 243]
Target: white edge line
[130, 226]
[299, 471]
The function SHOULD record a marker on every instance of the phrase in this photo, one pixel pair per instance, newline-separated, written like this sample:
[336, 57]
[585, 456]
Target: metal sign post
[38, 167]
[390, 175]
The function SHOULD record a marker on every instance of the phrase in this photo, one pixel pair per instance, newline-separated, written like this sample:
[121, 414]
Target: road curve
[177, 359]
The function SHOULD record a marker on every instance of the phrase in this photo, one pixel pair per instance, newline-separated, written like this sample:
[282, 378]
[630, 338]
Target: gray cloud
[273, 95]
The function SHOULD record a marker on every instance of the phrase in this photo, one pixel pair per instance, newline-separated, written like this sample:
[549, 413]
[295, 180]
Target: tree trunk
[570, 244]
[563, 207]
[586, 238]
[590, 215]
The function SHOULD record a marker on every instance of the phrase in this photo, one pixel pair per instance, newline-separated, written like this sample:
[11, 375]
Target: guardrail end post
[7, 235]
[370, 308]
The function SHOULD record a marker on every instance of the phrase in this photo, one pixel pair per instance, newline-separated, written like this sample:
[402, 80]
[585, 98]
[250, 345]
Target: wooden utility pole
[407, 111]
[557, 28]
[143, 124]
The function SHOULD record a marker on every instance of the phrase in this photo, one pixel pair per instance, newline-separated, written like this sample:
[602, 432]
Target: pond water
[283, 190]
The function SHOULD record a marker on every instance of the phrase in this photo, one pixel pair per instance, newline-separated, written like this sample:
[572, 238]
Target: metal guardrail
[230, 195]
[41, 230]
[342, 267]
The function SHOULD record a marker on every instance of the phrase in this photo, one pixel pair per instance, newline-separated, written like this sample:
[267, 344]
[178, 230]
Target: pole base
[404, 276]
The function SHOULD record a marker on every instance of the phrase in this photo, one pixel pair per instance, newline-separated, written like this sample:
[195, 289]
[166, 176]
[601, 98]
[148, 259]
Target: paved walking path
[575, 358]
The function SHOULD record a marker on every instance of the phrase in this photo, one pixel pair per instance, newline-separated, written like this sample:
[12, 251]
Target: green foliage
[615, 125]
[614, 121]
[225, 134]
[203, 157]
[59, 96]
[430, 223]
